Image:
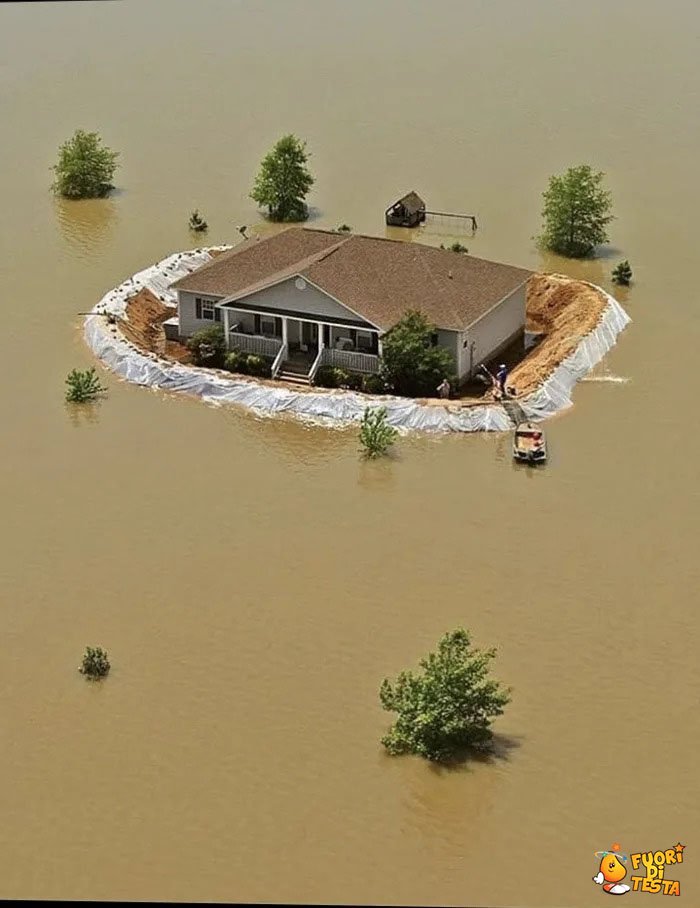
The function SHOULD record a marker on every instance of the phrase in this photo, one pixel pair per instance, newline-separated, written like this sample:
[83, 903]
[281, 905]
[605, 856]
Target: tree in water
[284, 181]
[95, 663]
[83, 386]
[197, 222]
[376, 435]
[622, 274]
[85, 167]
[449, 706]
[576, 212]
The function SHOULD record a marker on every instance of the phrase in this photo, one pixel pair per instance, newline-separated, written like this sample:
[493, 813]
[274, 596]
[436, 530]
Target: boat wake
[615, 379]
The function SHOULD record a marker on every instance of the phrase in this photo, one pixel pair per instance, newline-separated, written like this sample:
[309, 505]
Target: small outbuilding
[408, 211]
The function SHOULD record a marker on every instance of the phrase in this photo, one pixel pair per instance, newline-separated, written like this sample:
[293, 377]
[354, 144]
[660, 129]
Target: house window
[364, 341]
[206, 310]
[268, 325]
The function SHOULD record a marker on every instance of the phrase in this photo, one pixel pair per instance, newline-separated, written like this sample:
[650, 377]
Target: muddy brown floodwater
[253, 581]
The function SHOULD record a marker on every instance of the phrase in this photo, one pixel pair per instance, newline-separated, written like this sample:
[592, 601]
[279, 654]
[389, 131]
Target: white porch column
[284, 330]
[320, 336]
[379, 345]
[226, 329]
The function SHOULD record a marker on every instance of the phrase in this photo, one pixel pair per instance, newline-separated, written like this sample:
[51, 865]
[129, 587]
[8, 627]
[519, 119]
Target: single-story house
[310, 297]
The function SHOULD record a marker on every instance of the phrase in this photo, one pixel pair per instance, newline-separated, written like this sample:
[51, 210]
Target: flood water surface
[252, 579]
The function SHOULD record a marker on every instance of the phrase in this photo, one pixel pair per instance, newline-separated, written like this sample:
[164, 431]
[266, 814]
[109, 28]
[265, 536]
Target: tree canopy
[284, 181]
[576, 212]
[411, 362]
[85, 167]
[449, 706]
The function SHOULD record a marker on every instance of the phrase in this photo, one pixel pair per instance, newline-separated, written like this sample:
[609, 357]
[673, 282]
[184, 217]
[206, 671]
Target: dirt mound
[563, 310]
[143, 325]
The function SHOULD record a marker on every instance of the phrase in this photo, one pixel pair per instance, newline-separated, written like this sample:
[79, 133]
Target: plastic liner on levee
[329, 407]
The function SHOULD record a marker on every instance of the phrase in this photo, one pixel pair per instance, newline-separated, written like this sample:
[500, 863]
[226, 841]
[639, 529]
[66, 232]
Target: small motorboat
[529, 444]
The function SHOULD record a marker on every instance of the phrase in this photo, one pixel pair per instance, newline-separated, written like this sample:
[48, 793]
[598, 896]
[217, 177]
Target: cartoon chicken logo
[612, 871]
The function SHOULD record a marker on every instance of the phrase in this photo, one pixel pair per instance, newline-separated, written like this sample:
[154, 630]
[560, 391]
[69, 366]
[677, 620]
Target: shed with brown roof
[408, 211]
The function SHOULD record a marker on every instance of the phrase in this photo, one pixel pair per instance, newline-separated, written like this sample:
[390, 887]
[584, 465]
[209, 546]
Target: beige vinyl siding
[449, 340]
[310, 301]
[494, 331]
[187, 312]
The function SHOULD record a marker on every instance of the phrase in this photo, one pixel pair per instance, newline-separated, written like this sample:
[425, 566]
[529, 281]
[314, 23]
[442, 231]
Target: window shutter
[257, 324]
[278, 327]
[198, 307]
[217, 315]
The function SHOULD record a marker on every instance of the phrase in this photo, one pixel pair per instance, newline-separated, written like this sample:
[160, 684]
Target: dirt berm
[559, 309]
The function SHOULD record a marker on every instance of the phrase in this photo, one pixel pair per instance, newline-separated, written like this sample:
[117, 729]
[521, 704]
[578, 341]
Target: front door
[309, 334]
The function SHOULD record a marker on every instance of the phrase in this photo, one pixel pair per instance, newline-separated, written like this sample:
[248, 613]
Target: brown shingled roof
[256, 260]
[411, 202]
[379, 279]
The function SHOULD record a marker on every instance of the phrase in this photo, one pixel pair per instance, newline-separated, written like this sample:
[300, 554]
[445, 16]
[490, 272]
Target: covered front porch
[299, 346]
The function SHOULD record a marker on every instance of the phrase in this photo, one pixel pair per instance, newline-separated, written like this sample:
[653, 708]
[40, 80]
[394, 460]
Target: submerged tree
[197, 222]
[95, 663]
[576, 212]
[449, 706]
[455, 247]
[412, 363]
[376, 435]
[284, 181]
[622, 273]
[85, 167]
[83, 385]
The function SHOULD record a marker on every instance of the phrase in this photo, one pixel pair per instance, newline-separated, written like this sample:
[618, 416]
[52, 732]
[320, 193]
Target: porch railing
[282, 354]
[350, 360]
[316, 365]
[254, 343]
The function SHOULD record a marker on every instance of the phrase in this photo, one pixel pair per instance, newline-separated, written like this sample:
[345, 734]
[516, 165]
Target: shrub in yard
[354, 381]
[373, 384]
[208, 347]
[331, 377]
[83, 386]
[376, 435]
[325, 377]
[259, 365]
[622, 273]
[235, 361]
[95, 663]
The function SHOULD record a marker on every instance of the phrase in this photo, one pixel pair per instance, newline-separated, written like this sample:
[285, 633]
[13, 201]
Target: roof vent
[449, 274]
[300, 283]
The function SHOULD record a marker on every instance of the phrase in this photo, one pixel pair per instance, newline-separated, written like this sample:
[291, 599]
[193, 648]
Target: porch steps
[294, 378]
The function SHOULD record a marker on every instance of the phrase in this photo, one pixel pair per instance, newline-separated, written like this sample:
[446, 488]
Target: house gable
[297, 297]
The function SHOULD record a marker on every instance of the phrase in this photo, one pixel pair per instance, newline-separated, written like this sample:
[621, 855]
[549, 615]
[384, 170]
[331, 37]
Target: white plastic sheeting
[555, 392]
[330, 407]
